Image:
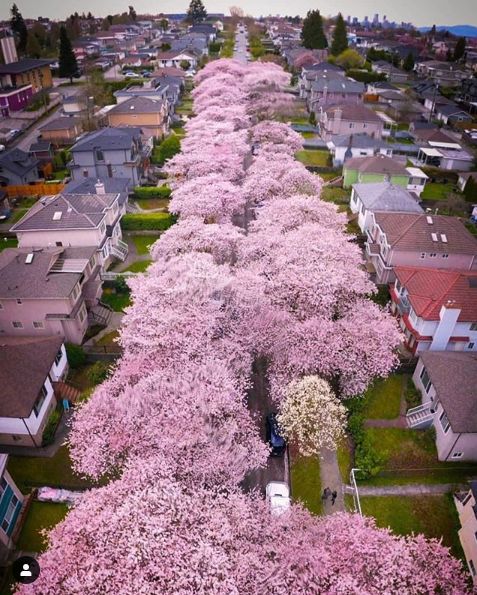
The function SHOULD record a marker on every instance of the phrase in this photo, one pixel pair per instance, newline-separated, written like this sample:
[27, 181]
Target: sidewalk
[331, 478]
[414, 489]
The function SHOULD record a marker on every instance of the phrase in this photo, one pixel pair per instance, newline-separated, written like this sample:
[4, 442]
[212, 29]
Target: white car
[278, 496]
[132, 75]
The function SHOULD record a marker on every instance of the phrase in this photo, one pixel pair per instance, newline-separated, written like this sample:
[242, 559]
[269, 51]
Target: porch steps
[419, 417]
[120, 250]
[100, 314]
[63, 390]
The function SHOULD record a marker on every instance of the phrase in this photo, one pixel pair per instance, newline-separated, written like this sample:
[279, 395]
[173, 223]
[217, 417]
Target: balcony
[402, 304]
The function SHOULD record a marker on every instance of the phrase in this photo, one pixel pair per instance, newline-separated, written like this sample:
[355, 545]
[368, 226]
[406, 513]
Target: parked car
[276, 441]
[2, 148]
[278, 497]
[132, 75]
[146, 74]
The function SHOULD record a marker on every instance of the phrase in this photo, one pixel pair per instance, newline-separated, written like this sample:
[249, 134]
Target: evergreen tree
[312, 33]
[67, 59]
[340, 37]
[408, 63]
[470, 190]
[132, 13]
[196, 12]
[33, 47]
[459, 49]
[19, 28]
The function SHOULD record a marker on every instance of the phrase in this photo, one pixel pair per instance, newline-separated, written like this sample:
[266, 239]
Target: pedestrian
[334, 495]
[326, 494]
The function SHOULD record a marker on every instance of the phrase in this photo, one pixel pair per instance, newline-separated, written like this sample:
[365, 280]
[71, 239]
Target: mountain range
[460, 30]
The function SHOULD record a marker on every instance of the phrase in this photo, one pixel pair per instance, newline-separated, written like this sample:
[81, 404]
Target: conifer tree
[312, 33]
[67, 58]
[340, 37]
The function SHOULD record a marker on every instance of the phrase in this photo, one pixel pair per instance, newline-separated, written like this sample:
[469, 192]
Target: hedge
[167, 149]
[151, 221]
[152, 191]
[363, 76]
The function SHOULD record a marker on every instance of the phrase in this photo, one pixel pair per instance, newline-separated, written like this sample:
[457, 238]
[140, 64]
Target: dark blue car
[276, 441]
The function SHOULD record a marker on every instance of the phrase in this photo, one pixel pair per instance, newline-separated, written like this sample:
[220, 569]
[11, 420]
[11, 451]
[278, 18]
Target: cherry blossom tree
[277, 137]
[311, 416]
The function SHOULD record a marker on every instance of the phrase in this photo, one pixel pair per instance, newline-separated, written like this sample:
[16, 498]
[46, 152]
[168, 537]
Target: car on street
[278, 497]
[132, 75]
[274, 438]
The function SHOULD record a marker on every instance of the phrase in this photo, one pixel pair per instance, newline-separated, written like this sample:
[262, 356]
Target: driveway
[260, 404]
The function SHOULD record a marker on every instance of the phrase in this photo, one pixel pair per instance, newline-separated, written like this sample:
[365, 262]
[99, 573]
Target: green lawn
[306, 483]
[308, 134]
[437, 191]
[383, 398]
[329, 175]
[409, 456]
[339, 196]
[434, 516]
[117, 301]
[108, 339]
[42, 515]
[55, 471]
[61, 174]
[143, 243]
[185, 107]
[153, 203]
[138, 267]
[317, 158]
[8, 243]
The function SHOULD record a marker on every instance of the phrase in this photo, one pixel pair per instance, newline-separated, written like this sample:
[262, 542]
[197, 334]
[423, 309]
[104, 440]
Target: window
[444, 422]
[59, 244]
[74, 293]
[426, 381]
[472, 567]
[9, 514]
[99, 155]
[432, 255]
[445, 256]
[40, 400]
[473, 326]
[457, 455]
[1, 307]
[467, 498]
[17, 324]
[82, 314]
[351, 125]
[19, 302]
[37, 324]
[423, 255]
[471, 345]
[58, 357]
[3, 485]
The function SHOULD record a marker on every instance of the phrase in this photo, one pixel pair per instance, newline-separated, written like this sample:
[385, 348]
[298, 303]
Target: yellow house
[29, 71]
[150, 115]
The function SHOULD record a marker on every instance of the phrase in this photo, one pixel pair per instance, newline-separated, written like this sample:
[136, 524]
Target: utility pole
[436, 87]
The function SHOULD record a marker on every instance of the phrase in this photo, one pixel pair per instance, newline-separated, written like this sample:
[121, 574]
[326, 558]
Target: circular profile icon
[25, 570]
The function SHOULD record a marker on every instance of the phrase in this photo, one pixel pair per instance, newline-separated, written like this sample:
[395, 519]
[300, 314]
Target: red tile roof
[430, 289]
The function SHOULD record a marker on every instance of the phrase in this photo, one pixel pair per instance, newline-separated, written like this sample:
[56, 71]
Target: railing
[112, 276]
[418, 409]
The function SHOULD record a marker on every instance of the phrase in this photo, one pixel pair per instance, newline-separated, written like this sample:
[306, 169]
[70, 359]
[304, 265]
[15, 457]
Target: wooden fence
[41, 189]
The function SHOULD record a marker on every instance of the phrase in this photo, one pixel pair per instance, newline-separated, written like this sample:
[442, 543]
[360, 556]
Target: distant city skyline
[424, 12]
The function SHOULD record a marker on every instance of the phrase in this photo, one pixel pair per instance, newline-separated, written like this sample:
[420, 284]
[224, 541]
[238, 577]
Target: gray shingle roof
[25, 366]
[337, 84]
[78, 211]
[353, 112]
[384, 196]
[88, 186]
[138, 105]
[19, 280]
[359, 141]
[378, 164]
[17, 161]
[108, 139]
[454, 376]
[61, 124]
[23, 65]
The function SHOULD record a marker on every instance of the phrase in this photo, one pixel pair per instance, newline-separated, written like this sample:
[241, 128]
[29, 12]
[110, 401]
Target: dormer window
[99, 155]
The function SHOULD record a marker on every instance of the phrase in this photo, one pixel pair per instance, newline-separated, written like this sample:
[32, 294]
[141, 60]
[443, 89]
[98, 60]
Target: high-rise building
[376, 20]
[7, 42]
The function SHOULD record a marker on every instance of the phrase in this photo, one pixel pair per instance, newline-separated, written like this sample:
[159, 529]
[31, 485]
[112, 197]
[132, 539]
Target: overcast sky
[420, 12]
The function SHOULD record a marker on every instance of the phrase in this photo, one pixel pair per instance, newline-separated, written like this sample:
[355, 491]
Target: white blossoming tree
[312, 416]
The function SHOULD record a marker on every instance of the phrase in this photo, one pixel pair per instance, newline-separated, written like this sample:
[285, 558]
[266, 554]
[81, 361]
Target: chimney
[99, 187]
[325, 94]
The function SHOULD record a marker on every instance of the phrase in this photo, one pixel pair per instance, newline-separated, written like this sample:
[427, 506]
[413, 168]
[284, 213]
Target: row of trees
[256, 267]
[313, 35]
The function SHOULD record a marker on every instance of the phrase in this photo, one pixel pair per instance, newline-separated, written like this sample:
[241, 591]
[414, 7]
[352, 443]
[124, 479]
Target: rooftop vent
[29, 258]
[429, 220]
[57, 215]
[434, 237]
[444, 238]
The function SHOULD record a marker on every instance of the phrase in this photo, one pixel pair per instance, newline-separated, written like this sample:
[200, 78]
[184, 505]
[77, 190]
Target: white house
[11, 502]
[381, 196]
[447, 382]
[30, 367]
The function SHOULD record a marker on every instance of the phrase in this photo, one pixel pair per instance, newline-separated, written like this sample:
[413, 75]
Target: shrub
[167, 149]
[151, 221]
[76, 355]
[152, 191]
[214, 48]
[50, 428]
[120, 285]
[367, 459]
[363, 76]
[98, 372]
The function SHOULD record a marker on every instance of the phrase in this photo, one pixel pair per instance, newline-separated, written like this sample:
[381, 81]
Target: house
[466, 504]
[31, 366]
[28, 71]
[175, 58]
[208, 30]
[447, 74]
[436, 309]
[313, 72]
[79, 220]
[411, 239]
[464, 178]
[326, 90]
[92, 186]
[395, 75]
[49, 291]
[374, 169]
[151, 115]
[11, 503]
[17, 168]
[14, 99]
[381, 196]
[447, 381]
[452, 115]
[349, 118]
[61, 131]
[432, 136]
[111, 152]
[42, 150]
[446, 159]
[346, 146]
